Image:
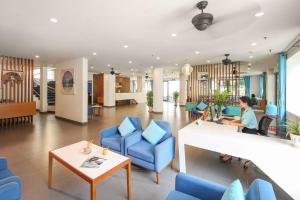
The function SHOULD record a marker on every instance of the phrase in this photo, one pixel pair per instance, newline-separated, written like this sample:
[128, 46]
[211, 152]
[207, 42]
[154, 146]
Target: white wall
[254, 85]
[109, 90]
[73, 107]
[292, 85]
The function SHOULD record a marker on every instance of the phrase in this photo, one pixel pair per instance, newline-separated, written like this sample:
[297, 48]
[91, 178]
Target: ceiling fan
[203, 20]
[226, 61]
[113, 72]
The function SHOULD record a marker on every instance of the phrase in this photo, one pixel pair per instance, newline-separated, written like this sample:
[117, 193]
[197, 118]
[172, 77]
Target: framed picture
[67, 81]
[202, 76]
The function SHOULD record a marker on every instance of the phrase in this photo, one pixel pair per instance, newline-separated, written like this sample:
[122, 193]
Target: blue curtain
[282, 91]
[262, 85]
[247, 85]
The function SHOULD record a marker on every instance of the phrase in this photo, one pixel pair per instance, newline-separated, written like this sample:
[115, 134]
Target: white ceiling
[105, 26]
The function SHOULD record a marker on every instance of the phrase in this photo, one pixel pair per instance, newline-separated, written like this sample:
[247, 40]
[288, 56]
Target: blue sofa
[10, 185]
[192, 188]
[152, 157]
[111, 138]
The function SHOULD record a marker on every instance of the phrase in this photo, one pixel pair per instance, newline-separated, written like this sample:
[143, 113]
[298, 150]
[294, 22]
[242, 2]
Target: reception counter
[12, 113]
[139, 97]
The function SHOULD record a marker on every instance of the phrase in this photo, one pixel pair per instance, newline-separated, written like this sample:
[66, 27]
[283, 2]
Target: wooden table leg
[93, 191]
[128, 180]
[50, 165]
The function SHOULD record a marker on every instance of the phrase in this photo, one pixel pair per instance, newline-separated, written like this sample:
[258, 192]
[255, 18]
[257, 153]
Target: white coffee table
[72, 158]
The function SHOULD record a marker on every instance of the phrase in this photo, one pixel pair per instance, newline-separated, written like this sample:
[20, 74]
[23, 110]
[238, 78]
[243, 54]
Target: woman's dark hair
[252, 95]
[246, 99]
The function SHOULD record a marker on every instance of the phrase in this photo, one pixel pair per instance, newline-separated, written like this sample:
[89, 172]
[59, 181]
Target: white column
[139, 81]
[158, 90]
[182, 89]
[43, 89]
[271, 86]
[109, 90]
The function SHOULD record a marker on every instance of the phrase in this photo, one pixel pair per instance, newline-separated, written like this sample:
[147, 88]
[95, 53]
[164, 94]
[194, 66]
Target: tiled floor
[27, 150]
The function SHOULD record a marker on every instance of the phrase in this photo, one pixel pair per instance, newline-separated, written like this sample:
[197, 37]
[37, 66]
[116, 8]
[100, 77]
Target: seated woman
[248, 122]
[253, 100]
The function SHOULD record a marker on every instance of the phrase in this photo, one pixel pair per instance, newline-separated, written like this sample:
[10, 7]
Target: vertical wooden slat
[32, 79]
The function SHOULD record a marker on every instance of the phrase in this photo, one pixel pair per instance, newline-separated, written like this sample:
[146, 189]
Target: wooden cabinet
[98, 88]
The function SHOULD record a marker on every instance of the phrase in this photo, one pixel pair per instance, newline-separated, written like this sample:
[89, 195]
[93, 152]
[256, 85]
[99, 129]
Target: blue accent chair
[192, 188]
[152, 157]
[10, 185]
[111, 138]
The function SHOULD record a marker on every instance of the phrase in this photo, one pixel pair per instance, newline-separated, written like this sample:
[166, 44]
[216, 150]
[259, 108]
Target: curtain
[282, 91]
[247, 85]
[262, 85]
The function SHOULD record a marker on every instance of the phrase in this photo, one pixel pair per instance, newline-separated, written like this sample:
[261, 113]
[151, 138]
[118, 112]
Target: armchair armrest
[3, 163]
[132, 139]
[198, 188]
[164, 153]
[10, 179]
[104, 133]
[10, 191]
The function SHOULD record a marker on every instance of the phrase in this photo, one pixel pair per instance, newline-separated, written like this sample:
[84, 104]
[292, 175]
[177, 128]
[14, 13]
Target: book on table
[93, 162]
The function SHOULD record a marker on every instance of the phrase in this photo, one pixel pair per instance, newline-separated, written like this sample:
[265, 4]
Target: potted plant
[175, 97]
[220, 100]
[150, 100]
[293, 130]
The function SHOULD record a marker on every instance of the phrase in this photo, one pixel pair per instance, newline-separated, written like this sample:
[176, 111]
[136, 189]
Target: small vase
[295, 140]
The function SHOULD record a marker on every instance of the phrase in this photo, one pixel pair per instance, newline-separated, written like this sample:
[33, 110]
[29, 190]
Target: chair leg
[157, 177]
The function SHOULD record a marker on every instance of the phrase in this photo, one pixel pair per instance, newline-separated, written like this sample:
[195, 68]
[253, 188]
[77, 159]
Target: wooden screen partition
[16, 90]
[206, 78]
[98, 88]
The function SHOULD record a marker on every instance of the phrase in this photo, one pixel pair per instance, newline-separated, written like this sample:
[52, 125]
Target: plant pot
[295, 139]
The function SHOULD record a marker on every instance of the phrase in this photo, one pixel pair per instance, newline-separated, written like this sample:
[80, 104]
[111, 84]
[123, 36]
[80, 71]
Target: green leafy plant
[220, 99]
[150, 99]
[175, 97]
[293, 128]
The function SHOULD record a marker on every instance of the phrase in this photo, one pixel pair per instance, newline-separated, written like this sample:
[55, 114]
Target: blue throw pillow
[201, 106]
[153, 133]
[234, 191]
[126, 127]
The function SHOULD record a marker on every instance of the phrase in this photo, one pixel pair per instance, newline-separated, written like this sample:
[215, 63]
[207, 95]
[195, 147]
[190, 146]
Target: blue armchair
[111, 138]
[152, 157]
[191, 188]
[10, 185]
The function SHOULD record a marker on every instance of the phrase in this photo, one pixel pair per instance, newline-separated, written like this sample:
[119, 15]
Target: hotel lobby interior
[149, 100]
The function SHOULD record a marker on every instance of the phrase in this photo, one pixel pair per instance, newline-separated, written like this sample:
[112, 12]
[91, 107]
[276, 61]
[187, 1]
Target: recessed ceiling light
[173, 34]
[130, 62]
[157, 58]
[208, 61]
[92, 67]
[37, 56]
[176, 64]
[197, 52]
[94, 53]
[253, 44]
[249, 64]
[53, 20]
[250, 56]
[108, 65]
[125, 46]
[259, 14]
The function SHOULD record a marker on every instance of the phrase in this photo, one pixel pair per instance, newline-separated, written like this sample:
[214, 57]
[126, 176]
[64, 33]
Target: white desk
[275, 157]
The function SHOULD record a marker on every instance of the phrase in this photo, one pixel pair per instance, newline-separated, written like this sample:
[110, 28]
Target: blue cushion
[112, 142]
[175, 195]
[201, 106]
[271, 109]
[234, 191]
[142, 150]
[126, 127]
[153, 133]
[233, 110]
[260, 189]
[5, 173]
